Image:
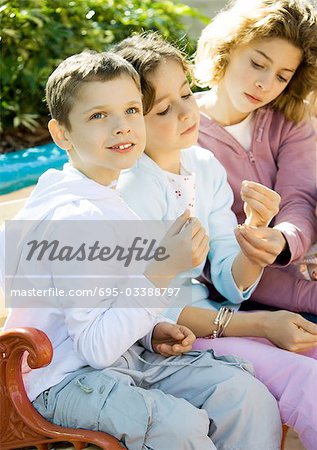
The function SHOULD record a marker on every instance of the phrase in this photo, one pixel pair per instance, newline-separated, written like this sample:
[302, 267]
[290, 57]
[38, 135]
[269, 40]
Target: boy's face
[172, 124]
[107, 128]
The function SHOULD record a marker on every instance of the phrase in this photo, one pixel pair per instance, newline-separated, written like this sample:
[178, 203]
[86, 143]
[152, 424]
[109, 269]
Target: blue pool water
[23, 168]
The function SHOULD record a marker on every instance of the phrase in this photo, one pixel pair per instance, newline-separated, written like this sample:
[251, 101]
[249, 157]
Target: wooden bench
[21, 425]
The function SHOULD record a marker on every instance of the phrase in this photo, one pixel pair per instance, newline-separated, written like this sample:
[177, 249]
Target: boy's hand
[261, 204]
[260, 245]
[170, 339]
[290, 331]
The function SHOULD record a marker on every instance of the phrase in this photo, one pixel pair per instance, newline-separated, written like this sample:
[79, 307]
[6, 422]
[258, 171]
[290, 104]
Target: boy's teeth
[122, 147]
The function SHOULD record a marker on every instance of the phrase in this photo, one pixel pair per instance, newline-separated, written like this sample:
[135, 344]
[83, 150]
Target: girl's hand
[261, 204]
[170, 339]
[187, 245]
[290, 331]
[260, 245]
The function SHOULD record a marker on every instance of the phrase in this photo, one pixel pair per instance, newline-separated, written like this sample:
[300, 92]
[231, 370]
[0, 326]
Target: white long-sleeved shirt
[97, 334]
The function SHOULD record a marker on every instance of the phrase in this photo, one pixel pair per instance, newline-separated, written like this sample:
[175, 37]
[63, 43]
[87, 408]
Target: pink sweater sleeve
[296, 183]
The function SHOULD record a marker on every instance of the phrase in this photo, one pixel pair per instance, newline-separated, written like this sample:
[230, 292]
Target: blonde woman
[259, 61]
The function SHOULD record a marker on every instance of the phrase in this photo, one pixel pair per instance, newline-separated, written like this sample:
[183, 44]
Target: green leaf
[38, 34]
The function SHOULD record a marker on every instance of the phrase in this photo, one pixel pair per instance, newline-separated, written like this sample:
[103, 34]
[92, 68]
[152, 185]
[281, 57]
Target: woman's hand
[290, 331]
[170, 339]
[312, 270]
[260, 245]
[310, 261]
[261, 204]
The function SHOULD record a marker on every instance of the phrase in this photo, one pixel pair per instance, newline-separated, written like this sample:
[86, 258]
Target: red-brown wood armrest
[285, 430]
[20, 424]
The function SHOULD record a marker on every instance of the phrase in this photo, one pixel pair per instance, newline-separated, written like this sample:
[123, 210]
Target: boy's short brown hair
[64, 83]
[145, 52]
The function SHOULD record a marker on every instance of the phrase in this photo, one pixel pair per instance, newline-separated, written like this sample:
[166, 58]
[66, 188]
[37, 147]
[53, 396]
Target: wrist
[282, 239]
[284, 257]
[221, 321]
[259, 224]
[252, 324]
[154, 274]
[264, 323]
[154, 330]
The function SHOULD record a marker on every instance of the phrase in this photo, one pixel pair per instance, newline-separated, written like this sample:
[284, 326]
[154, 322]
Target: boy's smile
[122, 148]
[107, 132]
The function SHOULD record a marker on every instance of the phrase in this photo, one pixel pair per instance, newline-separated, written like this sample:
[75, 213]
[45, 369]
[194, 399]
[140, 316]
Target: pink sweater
[283, 157]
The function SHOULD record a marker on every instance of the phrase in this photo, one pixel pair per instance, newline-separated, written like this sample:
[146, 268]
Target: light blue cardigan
[146, 189]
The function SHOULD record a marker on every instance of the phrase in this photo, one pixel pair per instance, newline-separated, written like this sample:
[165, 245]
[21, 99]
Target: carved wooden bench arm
[20, 424]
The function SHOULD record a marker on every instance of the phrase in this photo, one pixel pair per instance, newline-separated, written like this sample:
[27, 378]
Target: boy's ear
[59, 135]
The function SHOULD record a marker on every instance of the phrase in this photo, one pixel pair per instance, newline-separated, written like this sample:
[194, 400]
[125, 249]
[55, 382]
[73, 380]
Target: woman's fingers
[261, 206]
[261, 203]
[301, 338]
[264, 200]
[306, 325]
[260, 191]
[256, 248]
[303, 341]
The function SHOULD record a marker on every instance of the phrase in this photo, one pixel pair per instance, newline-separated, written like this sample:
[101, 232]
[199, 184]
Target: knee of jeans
[186, 423]
[259, 402]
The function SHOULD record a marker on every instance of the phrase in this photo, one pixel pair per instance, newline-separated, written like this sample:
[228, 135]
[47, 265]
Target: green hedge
[37, 34]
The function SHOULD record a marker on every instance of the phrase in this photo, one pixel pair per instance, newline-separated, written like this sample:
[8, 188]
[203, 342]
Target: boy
[109, 372]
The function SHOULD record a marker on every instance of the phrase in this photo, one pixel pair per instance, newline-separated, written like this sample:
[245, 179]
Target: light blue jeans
[191, 402]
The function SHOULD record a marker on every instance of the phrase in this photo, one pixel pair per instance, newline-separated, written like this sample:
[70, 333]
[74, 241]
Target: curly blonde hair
[244, 22]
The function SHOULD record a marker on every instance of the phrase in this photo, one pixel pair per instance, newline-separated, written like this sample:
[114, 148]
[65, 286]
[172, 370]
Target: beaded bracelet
[221, 320]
